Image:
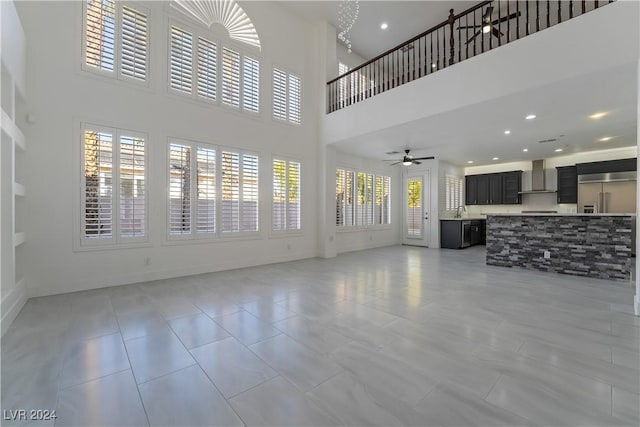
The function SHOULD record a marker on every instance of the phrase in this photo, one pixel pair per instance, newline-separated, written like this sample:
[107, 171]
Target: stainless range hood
[537, 179]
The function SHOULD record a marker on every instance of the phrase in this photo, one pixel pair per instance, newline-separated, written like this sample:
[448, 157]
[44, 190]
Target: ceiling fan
[488, 25]
[407, 159]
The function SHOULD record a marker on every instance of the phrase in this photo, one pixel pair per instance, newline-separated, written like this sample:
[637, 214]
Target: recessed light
[507, 132]
[605, 139]
[525, 150]
[598, 115]
[496, 158]
[558, 150]
[530, 117]
[384, 26]
[470, 161]
[433, 65]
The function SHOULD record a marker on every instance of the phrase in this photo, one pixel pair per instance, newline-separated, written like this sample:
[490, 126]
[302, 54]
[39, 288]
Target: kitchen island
[591, 245]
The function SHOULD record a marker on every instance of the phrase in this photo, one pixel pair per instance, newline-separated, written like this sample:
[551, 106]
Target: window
[287, 97]
[453, 192]
[236, 77]
[116, 39]
[354, 87]
[286, 195]
[113, 201]
[362, 199]
[208, 195]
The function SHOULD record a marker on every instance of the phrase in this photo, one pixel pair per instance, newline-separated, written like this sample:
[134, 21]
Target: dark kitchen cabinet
[459, 234]
[471, 189]
[567, 184]
[483, 189]
[511, 187]
[495, 189]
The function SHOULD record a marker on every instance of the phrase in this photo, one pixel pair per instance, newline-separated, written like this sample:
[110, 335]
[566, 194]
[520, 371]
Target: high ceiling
[405, 19]
[562, 109]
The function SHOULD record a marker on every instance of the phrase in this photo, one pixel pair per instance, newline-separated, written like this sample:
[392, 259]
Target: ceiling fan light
[407, 163]
[486, 29]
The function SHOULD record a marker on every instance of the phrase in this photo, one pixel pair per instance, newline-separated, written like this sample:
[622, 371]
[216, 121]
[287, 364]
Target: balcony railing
[481, 28]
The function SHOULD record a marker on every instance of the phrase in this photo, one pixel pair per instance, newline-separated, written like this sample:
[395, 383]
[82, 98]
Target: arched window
[225, 12]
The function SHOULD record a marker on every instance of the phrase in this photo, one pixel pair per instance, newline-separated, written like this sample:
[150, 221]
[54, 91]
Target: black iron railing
[483, 27]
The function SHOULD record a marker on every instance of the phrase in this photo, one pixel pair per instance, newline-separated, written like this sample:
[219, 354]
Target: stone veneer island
[591, 245]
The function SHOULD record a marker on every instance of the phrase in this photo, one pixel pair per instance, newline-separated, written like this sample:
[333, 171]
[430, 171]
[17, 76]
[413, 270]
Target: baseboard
[147, 276]
[11, 305]
[368, 246]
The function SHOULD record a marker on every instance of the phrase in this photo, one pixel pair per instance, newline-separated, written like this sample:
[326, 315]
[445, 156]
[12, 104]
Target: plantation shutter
[279, 194]
[98, 164]
[340, 197]
[134, 44]
[100, 33]
[181, 58]
[230, 164]
[207, 69]
[369, 200]
[132, 187]
[179, 189]
[386, 200]
[249, 205]
[206, 190]
[251, 84]
[378, 206]
[349, 194]
[279, 94]
[293, 196]
[294, 106]
[230, 77]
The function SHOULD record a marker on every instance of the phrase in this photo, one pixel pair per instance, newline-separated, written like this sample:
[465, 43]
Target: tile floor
[391, 336]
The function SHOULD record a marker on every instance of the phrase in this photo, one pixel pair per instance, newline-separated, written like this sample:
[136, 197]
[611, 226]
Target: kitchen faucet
[458, 213]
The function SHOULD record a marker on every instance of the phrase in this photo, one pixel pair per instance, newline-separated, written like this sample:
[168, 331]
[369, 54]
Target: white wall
[613, 42]
[13, 288]
[354, 238]
[64, 95]
[544, 201]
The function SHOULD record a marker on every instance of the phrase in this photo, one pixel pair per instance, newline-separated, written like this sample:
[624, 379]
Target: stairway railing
[458, 38]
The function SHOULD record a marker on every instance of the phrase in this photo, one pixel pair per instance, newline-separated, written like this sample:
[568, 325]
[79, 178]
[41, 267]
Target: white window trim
[286, 231]
[361, 227]
[80, 243]
[221, 42]
[218, 235]
[117, 70]
[288, 73]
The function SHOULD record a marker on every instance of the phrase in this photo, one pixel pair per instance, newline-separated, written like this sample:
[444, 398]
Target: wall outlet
[147, 261]
[547, 254]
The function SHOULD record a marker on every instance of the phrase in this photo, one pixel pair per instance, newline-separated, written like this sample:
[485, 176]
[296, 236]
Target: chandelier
[347, 15]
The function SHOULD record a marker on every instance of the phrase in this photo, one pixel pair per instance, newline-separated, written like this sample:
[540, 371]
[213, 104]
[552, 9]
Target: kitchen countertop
[561, 214]
[470, 218]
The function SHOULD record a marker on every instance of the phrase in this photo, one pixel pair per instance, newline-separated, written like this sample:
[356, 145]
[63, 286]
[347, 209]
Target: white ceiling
[476, 132]
[405, 19]
[561, 109]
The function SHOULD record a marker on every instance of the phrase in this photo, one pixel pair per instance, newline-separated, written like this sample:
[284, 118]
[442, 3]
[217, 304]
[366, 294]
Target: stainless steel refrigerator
[607, 193]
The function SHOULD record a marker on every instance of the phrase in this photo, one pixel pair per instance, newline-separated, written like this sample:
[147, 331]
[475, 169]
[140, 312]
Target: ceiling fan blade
[424, 158]
[506, 18]
[474, 36]
[390, 160]
[487, 14]
[396, 163]
[496, 32]
[464, 27]
[415, 162]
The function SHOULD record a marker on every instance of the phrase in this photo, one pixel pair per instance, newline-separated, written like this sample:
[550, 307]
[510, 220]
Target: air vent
[406, 48]
[547, 140]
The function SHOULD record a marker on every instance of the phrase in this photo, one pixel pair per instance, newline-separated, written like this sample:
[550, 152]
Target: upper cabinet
[567, 184]
[493, 189]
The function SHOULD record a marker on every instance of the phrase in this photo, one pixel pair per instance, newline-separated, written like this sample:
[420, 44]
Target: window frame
[286, 230]
[221, 42]
[116, 74]
[369, 203]
[288, 73]
[116, 241]
[218, 235]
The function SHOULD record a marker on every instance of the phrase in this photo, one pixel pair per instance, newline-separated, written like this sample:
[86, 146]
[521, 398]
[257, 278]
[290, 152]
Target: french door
[416, 208]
